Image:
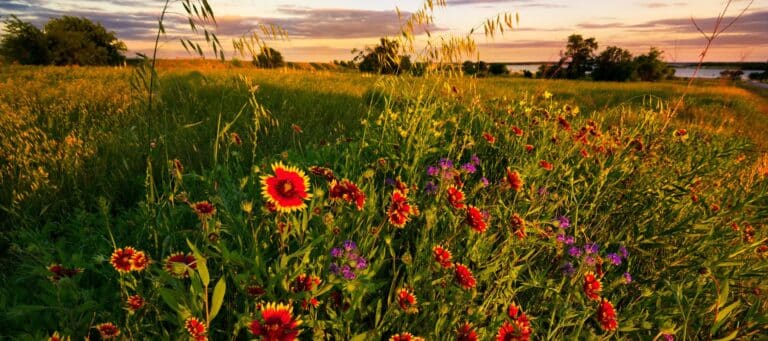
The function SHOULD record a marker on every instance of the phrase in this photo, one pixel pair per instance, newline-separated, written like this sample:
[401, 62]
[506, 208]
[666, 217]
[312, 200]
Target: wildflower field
[280, 205]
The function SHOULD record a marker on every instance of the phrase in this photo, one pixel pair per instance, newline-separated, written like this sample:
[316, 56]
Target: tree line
[62, 41]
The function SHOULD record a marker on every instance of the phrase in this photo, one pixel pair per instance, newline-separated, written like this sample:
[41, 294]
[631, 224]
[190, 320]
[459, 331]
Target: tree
[733, 75]
[79, 41]
[469, 68]
[498, 69]
[651, 67]
[23, 43]
[581, 53]
[269, 58]
[614, 64]
[383, 58]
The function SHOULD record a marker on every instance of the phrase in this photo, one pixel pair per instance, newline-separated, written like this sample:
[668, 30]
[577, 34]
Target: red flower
[584, 153]
[180, 265]
[135, 302]
[178, 168]
[400, 210]
[195, 327]
[466, 333]
[297, 128]
[405, 337]
[122, 259]
[518, 226]
[513, 180]
[546, 165]
[57, 337]
[277, 323]
[592, 286]
[327, 173]
[407, 301]
[513, 331]
[286, 189]
[488, 137]
[564, 123]
[517, 131]
[139, 261]
[529, 148]
[475, 219]
[464, 277]
[255, 290]
[606, 315]
[312, 302]
[107, 330]
[305, 282]
[347, 191]
[681, 132]
[235, 138]
[442, 256]
[456, 198]
[204, 209]
[59, 272]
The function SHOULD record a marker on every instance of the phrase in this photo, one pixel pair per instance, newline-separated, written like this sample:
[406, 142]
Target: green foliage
[384, 58]
[579, 56]
[23, 43]
[651, 66]
[498, 69]
[269, 58]
[614, 64]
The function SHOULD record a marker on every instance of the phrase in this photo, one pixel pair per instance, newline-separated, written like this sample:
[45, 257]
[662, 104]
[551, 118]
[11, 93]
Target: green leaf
[202, 268]
[730, 336]
[722, 315]
[218, 297]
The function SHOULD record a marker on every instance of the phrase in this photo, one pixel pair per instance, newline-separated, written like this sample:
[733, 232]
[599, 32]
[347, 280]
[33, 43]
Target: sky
[325, 30]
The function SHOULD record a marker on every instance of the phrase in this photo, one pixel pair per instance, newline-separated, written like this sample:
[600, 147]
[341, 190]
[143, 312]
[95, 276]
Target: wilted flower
[346, 191]
[59, 271]
[518, 226]
[305, 282]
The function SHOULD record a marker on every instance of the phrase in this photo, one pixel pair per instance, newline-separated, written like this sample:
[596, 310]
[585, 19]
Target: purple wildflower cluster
[445, 170]
[346, 261]
[589, 253]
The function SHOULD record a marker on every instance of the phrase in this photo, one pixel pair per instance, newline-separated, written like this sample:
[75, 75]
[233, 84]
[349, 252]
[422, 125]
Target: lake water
[683, 72]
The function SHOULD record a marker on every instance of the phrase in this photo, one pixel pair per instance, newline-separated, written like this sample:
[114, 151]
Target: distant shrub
[498, 69]
[269, 58]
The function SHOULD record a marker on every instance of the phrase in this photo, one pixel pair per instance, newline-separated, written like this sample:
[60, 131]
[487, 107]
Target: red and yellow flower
[464, 276]
[139, 261]
[606, 315]
[196, 328]
[475, 219]
[513, 180]
[466, 333]
[305, 282]
[107, 330]
[456, 197]
[276, 324]
[442, 256]
[204, 209]
[592, 286]
[400, 211]
[59, 271]
[57, 337]
[490, 138]
[347, 191]
[407, 301]
[405, 336]
[122, 259]
[135, 302]
[180, 265]
[287, 189]
[546, 165]
[518, 226]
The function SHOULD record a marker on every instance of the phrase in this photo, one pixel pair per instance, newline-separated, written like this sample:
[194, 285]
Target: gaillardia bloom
[405, 337]
[442, 256]
[59, 271]
[135, 302]
[277, 323]
[466, 333]
[347, 191]
[286, 189]
[407, 301]
[518, 226]
[513, 331]
[592, 286]
[305, 282]
[400, 211]
[107, 330]
[195, 328]
[456, 197]
[464, 276]
[180, 265]
[122, 259]
[204, 209]
[139, 261]
[606, 315]
[513, 180]
[57, 337]
[475, 219]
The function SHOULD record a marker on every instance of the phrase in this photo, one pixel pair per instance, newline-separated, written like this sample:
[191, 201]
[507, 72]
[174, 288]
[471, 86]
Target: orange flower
[400, 211]
[277, 323]
[204, 209]
[139, 261]
[519, 328]
[488, 137]
[546, 165]
[305, 282]
[529, 148]
[564, 123]
[513, 180]
[442, 256]
[195, 327]
[122, 259]
[286, 189]
[466, 333]
[518, 226]
[475, 219]
[347, 191]
[606, 315]
[57, 337]
[405, 337]
[107, 330]
[135, 302]
[180, 265]
[517, 131]
[592, 286]
[464, 277]
[407, 301]
[456, 197]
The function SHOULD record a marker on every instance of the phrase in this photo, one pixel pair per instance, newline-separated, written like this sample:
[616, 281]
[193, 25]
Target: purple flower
[430, 188]
[349, 245]
[334, 269]
[474, 159]
[574, 251]
[627, 278]
[469, 168]
[432, 171]
[623, 252]
[543, 191]
[362, 263]
[589, 260]
[336, 252]
[568, 269]
[445, 163]
[564, 221]
[389, 182]
[561, 237]
[347, 272]
[591, 248]
[668, 337]
[485, 181]
[615, 259]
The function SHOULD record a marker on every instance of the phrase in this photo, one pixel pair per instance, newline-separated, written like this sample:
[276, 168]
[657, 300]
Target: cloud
[525, 44]
[751, 23]
[662, 4]
[599, 26]
[516, 3]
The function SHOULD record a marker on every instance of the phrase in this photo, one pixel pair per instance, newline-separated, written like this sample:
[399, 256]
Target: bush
[498, 69]
[269, 58]
[614, 64]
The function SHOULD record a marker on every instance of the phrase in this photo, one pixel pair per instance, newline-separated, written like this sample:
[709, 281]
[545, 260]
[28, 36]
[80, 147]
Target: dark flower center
[285, 188]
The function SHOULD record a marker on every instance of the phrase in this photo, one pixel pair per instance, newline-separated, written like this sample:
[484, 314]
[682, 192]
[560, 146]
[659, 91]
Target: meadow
[367, 207]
